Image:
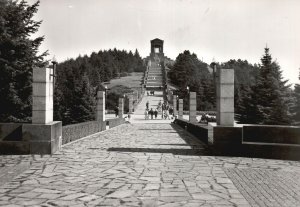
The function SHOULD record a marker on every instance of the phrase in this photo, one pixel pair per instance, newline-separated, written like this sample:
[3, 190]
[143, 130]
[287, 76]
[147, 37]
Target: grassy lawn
[132, 81]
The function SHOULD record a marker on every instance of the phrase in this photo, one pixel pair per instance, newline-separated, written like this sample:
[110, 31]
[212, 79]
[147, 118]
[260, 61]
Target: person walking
[116, 111]
[167, 112]
[151, 113]
[146, 114]
[171, 111]
[147, 105]
[155, 113]
[163, 108]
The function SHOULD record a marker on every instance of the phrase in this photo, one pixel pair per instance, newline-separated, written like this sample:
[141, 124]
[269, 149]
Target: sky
[212, 29]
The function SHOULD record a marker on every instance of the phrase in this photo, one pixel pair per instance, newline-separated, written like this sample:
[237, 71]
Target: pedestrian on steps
[155, 113]
[147, 105]
[116, 111]
[146, 114]
[151, 112]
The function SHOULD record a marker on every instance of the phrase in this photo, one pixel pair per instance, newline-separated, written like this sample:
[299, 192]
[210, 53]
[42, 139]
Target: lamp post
[214, 64]
[105, 91]
[54, 64]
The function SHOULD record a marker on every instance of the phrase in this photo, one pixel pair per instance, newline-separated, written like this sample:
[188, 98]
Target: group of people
[205, 118]
[167, 112]
[151, 93]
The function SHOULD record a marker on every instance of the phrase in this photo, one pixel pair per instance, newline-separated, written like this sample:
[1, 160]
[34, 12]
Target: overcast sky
[219, 29]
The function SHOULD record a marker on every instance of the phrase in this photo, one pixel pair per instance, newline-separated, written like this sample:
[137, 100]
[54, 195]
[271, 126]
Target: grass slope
[132, 81]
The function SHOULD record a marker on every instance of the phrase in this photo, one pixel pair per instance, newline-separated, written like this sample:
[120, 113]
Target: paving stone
[151, 193]
[121, 194]
[32, 202]
[44, 190]
[206, 197]
[152, 187]
[89, 198]
[73, 196]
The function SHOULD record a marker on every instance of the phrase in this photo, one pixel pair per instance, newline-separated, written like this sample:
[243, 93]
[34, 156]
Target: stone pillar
[180, 109]
[130, 100]
[121, 107]
[42, 96]
[100, 116]
[192, 107]
[175, 105]
[225, 97]
[44, 135]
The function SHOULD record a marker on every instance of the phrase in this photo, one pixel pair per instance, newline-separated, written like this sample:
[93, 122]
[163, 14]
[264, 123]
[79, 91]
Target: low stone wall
[115, 122]
[18, 138]
[10, 132]
[76, 131]
[271, 134]
[198, 130]
[275, 142]
[227, 140]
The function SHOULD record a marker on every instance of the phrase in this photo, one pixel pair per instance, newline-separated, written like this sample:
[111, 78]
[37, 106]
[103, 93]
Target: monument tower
[157, 49]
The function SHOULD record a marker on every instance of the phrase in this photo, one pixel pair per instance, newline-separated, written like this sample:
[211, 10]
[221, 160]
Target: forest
[78, 81]
[262, 96]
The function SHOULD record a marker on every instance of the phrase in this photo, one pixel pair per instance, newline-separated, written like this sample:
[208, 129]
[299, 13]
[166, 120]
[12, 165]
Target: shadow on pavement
[190, 152]
[196, 146]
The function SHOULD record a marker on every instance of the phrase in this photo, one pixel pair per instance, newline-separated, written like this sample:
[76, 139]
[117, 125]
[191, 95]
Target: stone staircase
[154, 77]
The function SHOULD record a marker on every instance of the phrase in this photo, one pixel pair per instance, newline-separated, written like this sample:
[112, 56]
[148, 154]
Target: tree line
[78, 81]
[262, 96]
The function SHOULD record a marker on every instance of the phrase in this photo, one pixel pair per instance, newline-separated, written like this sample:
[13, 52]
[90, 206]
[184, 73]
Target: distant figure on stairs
[155, 113]
[146, 114]
[151, 112]
[147, 105]
[117, 111]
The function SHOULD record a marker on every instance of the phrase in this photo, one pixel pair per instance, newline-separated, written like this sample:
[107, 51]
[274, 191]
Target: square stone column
[175, 105]
[225, 97]
[42, 96]
[121, 107]
[100, 110]
[180, 109]
[44, 135]
[192, 108]
[130, 103]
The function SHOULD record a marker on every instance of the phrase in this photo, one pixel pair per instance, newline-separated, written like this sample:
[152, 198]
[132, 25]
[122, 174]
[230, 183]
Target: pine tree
[188, 70]
[296, 107]
[267, 101]
[246, 110]
[18, 55]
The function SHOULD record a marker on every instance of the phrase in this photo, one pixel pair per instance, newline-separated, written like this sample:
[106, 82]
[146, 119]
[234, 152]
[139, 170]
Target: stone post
[180, 109]
[100, 116]
[121, 107]
[225, 97]
[44, 135]
[192, 107]
[42, 96]
[175, 105]
[130, 100]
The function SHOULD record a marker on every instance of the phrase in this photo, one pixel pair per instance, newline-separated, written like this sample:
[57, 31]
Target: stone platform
[146, 165]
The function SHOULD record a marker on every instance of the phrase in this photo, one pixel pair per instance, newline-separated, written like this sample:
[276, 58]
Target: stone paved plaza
[146, 165]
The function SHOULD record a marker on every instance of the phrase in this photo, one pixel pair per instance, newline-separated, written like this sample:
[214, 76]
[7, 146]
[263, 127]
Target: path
[139, 117]
[149, 165]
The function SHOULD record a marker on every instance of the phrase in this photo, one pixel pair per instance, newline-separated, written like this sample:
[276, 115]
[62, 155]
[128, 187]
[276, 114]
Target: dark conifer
[267, 101]
[18, 55]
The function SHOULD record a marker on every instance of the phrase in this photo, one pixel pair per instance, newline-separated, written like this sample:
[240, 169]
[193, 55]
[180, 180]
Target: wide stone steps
[154, 77]
[154, 84]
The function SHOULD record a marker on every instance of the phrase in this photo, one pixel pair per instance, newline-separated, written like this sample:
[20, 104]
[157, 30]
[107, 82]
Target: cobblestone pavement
[148, 165]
